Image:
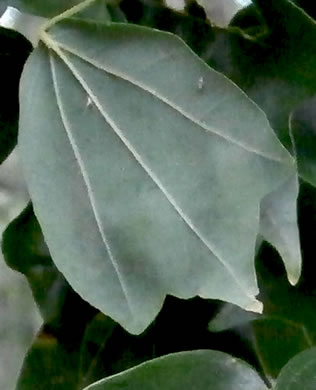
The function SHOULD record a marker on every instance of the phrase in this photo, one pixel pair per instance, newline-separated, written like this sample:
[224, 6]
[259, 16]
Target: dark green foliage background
[14, 50]
[269, 51]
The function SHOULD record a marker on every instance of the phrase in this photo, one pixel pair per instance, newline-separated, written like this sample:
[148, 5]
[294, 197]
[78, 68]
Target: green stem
[67, 14]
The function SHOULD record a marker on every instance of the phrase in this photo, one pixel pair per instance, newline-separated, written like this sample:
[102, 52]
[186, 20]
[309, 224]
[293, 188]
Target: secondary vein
[171, 104]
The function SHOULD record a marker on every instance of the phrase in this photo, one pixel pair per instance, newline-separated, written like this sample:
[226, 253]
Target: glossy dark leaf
[278, 340]
[24, 250]
[23, 245]
[299, 373]
[197, 370]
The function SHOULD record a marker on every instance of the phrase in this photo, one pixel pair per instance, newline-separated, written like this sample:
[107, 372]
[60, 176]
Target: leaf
[278, 225]
[197, 370]
[281, 300]
[299, 373]
[142, 183]
[22, 245]
[277, 340]
[193, 8]
[230, 316]
[254, 61]
[273, 62]
[107, 349]
[197, 33]
[99, 9]
[96, 337]
[275, 67]
[14, 50]
[303, 130]
[308, 7]
[25, 251]
[46, 8]
[48, 365]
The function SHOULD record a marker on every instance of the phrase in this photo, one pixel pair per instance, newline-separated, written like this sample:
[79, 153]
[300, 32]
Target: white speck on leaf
[89, 102]
[201, 83]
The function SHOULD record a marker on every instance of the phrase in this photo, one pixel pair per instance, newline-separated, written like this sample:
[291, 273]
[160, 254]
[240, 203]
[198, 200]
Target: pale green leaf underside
[199, 370]
[146, 169]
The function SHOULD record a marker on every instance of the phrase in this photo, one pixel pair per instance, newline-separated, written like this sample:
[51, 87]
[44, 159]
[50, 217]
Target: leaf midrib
[86, 180]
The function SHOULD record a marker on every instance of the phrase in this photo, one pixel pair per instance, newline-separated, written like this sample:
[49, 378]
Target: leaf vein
[172, 105]
[87, 183]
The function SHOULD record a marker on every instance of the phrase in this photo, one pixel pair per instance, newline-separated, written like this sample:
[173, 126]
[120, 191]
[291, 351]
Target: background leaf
[47, 9]
[48, 365]
[303, 129]
[273, 62]
[278, 340]
[191, 26]
[25, 250]
[99, 10]
[187, 370]
[299, 373]
[97, 335]
[275, 66]
[14, 50]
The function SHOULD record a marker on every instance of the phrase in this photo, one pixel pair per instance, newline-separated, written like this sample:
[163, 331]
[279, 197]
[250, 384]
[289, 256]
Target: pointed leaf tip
[255, 306]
